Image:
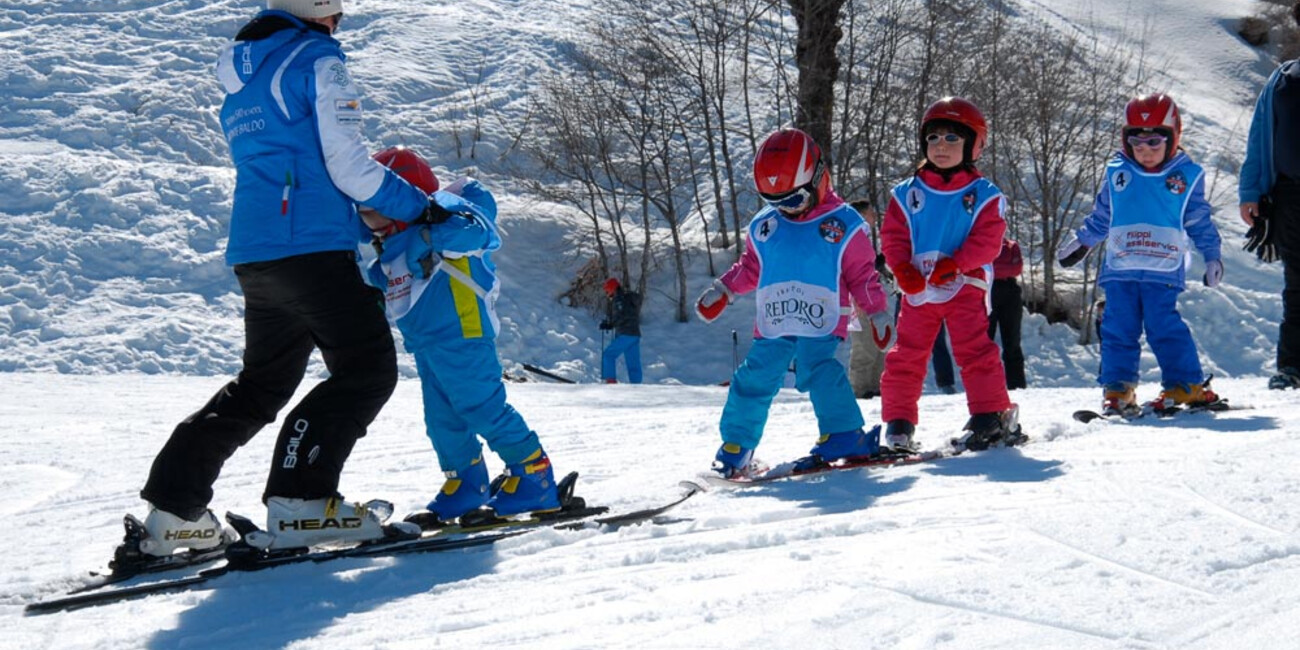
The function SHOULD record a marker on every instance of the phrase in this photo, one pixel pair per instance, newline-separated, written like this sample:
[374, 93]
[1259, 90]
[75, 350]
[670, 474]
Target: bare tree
[819, 67]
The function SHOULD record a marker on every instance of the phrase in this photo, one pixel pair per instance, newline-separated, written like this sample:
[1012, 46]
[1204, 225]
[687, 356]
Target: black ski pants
[1286, 199]
[1008, 310]
[292, 306]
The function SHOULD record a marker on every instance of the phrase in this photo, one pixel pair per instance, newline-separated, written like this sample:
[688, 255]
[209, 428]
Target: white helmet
[307, 8]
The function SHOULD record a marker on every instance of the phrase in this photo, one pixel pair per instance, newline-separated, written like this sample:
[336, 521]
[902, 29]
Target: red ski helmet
[1156, 112]
[612, 285]
[962, 113]
[789, 172]
[410, 166]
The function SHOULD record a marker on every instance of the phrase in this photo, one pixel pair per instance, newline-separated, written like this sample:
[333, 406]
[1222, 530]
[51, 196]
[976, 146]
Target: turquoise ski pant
[759, 378]
[464, 398]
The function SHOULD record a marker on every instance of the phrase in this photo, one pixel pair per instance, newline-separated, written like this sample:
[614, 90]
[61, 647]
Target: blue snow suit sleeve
[1257, 175]
[1097, 225]
[1199, 223]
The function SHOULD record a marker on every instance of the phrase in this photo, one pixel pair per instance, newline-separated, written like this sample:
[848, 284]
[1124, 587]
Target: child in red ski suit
[941, 233]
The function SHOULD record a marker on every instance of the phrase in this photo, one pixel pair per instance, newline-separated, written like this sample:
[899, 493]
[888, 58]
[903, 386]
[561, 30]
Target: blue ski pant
[465, 398]
[758, 379]
[1131, 308]
[628, 347]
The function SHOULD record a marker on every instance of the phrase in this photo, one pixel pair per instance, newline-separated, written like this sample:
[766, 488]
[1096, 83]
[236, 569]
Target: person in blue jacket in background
[292, 119]
[1151, 203]
[441, 290]
[1270, 175]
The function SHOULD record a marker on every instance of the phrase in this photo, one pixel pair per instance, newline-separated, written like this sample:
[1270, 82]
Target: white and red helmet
[789, 172]
[1155, 112]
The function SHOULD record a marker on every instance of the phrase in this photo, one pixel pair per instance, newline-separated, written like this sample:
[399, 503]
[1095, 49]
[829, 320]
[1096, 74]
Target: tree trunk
[819, 67]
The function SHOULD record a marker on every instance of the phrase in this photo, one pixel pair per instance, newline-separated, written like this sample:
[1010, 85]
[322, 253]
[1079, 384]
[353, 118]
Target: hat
[611, 285]
[307, 8]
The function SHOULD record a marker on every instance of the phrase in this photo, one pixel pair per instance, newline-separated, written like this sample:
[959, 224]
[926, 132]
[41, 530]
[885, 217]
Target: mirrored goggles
[950, 138]
[1149, 141]
[790, 201]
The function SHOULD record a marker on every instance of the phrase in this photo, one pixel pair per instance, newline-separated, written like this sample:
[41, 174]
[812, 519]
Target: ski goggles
[1149, 141]
[936, 138]
[791, 202]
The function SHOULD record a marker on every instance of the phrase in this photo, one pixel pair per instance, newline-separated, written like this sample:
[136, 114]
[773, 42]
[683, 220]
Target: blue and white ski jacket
[1147, 219]
[458, 301]
[292, 117]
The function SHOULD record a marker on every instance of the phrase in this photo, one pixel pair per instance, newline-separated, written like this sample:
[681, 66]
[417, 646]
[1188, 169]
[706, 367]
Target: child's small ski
[809, 467]
[1086, 415]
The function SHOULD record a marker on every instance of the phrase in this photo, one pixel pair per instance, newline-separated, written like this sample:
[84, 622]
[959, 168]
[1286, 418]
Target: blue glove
[421, 256]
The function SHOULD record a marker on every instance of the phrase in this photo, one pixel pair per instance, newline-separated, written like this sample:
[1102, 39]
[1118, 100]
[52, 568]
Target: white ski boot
[303, 523]
[166, 533]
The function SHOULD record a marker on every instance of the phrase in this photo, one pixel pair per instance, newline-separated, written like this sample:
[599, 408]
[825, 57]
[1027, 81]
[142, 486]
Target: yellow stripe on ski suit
[466, 301]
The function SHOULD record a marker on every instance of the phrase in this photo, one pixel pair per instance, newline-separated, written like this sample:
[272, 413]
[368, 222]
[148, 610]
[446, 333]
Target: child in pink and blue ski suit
[809, 257]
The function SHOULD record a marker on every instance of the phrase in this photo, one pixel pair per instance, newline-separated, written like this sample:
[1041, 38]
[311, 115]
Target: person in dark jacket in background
[1008, 310]
[624, 317]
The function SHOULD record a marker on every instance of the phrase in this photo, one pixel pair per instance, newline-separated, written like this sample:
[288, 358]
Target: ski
[232, 565]
[571, 508]
[241, 557]
[547, 374]
[1087, 415]
[803, 467]
[886, 457]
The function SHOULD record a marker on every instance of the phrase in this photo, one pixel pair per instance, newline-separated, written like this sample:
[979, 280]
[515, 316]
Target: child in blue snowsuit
[1151, 203]
[440, 288]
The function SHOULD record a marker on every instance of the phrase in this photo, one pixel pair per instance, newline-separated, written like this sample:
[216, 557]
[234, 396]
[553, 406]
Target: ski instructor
[292, 118]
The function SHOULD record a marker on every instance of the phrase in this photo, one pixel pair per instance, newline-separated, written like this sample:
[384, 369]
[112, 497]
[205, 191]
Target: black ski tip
[1085, 416]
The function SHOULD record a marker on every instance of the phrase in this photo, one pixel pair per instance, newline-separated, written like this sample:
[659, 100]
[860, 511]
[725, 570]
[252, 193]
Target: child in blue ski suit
[809, 260]
[440, 288]
[1152, 201]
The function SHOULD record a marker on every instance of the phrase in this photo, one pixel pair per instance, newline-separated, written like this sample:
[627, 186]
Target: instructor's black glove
[605, 325]
[434, 213]
[1260, 237]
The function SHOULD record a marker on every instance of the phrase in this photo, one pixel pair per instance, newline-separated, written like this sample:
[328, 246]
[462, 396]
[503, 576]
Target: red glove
[909, 279]
[945, 271]
[711, 303]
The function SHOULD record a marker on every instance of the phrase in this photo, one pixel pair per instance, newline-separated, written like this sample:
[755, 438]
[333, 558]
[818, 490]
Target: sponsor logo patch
[1176, 183]
[347, 112]
[831, 230]
[339, 75]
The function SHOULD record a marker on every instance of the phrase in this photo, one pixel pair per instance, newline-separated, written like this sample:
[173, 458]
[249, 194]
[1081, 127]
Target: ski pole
[735, 343]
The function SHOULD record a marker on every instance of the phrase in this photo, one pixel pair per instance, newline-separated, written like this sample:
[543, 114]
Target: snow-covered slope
[1159, 534]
